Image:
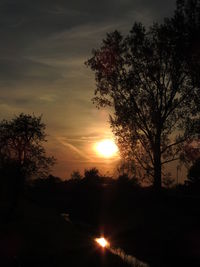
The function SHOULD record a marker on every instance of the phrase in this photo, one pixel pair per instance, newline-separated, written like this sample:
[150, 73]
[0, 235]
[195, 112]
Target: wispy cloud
[74, 149]
[42, 51]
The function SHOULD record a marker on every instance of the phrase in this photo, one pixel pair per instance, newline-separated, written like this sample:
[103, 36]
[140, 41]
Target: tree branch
[174, 144]
[170, 160]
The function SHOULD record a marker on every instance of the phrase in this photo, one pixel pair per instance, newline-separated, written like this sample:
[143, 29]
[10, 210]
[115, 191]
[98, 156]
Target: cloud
[73, 148]
[24, 22]
[21, 69]
[44, 44]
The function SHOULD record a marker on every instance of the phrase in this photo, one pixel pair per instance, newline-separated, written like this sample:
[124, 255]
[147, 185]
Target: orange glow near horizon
[106, 148]
[102, 242]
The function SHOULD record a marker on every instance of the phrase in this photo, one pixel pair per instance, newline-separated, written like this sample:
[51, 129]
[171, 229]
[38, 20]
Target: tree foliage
[92, 174]
[75, 175]
[21, 142]
[151, 81]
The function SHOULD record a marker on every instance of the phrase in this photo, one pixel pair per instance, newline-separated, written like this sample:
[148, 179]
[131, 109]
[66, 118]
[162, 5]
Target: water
[133, 261]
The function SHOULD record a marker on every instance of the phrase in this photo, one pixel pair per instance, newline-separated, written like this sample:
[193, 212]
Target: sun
[106, 148]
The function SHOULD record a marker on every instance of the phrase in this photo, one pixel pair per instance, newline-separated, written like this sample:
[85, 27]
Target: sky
[43, 47]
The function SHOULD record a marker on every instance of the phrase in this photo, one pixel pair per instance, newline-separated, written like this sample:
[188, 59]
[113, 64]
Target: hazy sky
[43, 47]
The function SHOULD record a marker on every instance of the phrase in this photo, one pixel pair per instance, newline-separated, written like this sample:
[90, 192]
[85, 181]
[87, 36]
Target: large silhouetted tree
[150, 80]
[22, 154]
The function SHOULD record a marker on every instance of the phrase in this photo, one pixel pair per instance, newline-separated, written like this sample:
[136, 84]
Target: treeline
[88, 198]
[94, 198]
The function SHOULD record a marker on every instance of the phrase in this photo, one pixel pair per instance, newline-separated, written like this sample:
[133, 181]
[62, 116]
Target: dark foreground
[40, 237]
[160, 230]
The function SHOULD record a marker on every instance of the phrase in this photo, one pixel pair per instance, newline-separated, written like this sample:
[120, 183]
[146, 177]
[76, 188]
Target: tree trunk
[157, 165]
[17, 189]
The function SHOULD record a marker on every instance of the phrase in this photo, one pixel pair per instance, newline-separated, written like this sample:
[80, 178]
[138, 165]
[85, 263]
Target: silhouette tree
[92, 175]
[22, 154]
[191, 151]
[148, 79]
[125, 168]
[21, 141]
[75, 175]
[194, 175]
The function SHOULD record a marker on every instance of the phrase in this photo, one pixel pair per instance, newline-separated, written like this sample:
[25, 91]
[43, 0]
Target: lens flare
[102, 242]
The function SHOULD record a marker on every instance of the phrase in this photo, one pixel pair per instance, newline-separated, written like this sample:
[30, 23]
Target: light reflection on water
[128, 258]
[133, 261]
[120, 253]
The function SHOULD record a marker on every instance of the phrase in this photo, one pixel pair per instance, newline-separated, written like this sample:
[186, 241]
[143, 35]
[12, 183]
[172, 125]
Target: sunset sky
[43, 47]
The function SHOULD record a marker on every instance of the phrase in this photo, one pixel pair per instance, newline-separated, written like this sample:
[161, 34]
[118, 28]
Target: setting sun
[106, 148]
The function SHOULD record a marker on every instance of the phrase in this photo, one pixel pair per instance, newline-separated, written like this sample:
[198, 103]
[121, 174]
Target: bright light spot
[106, 148]
[102, 242]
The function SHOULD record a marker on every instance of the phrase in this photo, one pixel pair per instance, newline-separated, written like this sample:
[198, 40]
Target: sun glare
[106, 148]
[102, 242]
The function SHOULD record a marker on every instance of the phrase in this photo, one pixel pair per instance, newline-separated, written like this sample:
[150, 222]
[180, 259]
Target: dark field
[161, 230]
